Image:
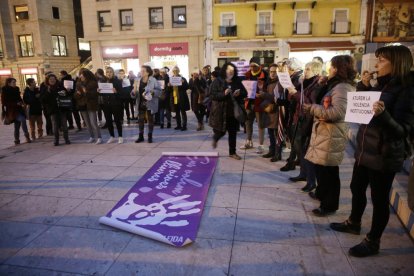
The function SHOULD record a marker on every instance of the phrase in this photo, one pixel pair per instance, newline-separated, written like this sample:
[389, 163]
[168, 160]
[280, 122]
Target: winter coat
[183, 100]
[329, 131]
[383, 143]
[112, 99]
[269, 120]
[32, 99]
[222, 106]
[198, 93]
[87, 100]
[165, 99]
[12, 103]
[49, 99]
[152, 87]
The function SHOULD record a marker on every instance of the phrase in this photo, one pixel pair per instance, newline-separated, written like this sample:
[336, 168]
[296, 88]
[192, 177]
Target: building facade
[36, 36]
[127, 34]
[273, 30]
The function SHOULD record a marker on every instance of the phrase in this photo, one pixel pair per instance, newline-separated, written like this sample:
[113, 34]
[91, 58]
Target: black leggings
[381, 183]
[232, 126]
[117, 112]
[329, 187]
[180, 116]
[142, 115]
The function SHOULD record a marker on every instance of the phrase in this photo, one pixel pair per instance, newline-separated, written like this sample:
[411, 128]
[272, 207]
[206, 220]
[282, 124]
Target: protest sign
[251, 88]
[284, 80]
[175, 81]
[105, 88]
[162, 84]
[68, 84]
[360, 105]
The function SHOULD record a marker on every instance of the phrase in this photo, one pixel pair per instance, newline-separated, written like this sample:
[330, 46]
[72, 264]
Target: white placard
[251, 88]
[106, 88]
[175, 81]
[126, 83]
[284, 80]
[162, 84]
[68, 84]
[360, 105]
[242, 67]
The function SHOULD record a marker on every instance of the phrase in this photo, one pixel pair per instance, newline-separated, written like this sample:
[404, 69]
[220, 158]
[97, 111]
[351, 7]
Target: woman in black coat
[57, 104]
[180, 101]
[113, 105]
[13, 109]
[222, 119]
[381, 146]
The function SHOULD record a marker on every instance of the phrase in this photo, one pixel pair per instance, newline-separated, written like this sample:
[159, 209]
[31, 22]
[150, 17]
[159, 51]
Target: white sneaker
[110, 140]
[99, 141]
[260, 149]
[91, 140]
[286, 150]
[120, 140]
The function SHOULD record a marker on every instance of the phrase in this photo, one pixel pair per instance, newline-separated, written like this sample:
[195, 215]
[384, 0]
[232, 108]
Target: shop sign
[228, 54]
[5, 72]
[168, 49]
[28, 71]
[126, 51]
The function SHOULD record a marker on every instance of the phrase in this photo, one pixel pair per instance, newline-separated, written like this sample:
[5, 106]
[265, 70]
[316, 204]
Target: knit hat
[255, 61]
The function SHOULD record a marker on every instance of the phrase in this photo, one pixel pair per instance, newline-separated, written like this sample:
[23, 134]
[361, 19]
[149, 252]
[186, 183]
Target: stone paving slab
[255, 222]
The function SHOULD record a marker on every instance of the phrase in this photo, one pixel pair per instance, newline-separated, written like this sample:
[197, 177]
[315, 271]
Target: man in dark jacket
[31, 97]
[64, 76]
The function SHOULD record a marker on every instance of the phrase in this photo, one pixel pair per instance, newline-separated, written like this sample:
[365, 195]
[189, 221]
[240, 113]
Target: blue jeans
[165, 112]
[20, 121]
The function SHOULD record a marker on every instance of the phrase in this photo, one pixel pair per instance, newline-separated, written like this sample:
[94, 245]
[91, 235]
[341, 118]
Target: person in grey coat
[147, 92]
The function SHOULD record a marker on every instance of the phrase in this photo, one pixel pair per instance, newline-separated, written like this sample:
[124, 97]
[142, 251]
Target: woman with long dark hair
[13, 109]
[381, 146]
[225, 91]
[57, 103]
[112, 106]
[87, 103]
[146, 92]
[329, 132]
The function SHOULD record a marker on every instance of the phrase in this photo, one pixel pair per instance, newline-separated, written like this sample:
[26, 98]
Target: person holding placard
[178, 86]
[87, 103]
[382, 146]
[306, 95]
[112, 105]
[225, 92]
[329, 133]
[146, 92]
[253, 104]
[68, 83]
[57, 103]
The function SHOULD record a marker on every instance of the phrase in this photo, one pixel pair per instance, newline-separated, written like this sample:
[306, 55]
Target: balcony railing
[340, 27]
[302, 28]
[228, 31]
[265, 29]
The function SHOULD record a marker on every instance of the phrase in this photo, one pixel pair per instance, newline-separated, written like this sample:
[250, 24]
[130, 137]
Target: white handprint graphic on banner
[156, 213]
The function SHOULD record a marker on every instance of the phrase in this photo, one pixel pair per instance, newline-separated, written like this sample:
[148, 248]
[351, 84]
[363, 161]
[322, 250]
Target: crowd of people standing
[307, 119]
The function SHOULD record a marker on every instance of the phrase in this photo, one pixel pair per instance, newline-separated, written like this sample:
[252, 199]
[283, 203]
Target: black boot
[162, 126]
[290, 166]
[347, 227]
[276, 158]
[140, 138]
[308, 188]
[168, 125]
[367, 247]
[178, 127]
[150, 138]
[268, 155]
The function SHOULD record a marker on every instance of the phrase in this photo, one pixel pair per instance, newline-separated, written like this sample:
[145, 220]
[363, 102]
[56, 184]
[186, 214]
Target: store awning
[321, 45]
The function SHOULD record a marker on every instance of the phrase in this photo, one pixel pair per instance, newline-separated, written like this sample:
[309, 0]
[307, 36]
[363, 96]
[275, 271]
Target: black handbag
[239, 112]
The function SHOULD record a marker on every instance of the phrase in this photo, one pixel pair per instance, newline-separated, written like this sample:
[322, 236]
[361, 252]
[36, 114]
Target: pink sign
[169, 49]
[5, 72]
[28, 71]
[125, 51]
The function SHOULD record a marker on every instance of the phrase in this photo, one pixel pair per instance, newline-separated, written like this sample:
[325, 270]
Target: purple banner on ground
[166, 204]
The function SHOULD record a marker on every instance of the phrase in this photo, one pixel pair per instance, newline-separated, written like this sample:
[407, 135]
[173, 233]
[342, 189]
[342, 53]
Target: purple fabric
[169, 199]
